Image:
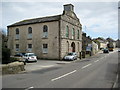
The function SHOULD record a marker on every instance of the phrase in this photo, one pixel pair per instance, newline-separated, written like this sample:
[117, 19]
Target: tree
[5, 50]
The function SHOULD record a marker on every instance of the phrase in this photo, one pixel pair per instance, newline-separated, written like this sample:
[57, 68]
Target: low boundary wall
[12, 68]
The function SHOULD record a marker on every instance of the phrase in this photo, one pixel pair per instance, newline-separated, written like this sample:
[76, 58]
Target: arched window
[67, 47]
[29, 33]
[17, 33]
[45, 28]
[45, 31]
[73, 33]
[29, 30]
[78, 34]
[17, 30]
[67, 31]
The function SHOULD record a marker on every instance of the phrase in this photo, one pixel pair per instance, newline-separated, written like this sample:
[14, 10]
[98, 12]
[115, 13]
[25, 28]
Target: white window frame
[17, 48]
[29, 49]
[17, 36]
[29, 36]
[45, 31]
[17, 31]
[30, 33]
[45, 34]
[44, 50]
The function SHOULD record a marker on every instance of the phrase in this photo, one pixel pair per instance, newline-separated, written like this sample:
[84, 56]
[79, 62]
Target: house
[110, 40]
[94, 48]
[118, 43]
[48, 37]
[86, 41]
[103, 42]
[86, 45]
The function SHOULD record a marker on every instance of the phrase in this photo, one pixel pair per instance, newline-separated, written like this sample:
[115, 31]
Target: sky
[98, 19]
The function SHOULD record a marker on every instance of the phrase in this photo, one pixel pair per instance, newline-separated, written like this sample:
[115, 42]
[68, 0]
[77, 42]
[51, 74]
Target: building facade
[110, 40]
[94, 48]
[48, 37]
[103, 42]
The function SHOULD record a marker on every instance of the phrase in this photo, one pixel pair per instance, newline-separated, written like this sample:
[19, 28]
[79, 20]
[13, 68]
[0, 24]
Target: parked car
[105, 50]
[119, 50]
[70, 56]
[19, 56]
[30, 57]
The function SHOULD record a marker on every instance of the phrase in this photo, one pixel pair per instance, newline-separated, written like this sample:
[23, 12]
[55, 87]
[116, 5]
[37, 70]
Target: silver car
[30, 57]
[71, 56]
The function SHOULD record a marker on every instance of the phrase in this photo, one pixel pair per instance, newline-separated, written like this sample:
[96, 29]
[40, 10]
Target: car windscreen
[70, 54]
[31, 54]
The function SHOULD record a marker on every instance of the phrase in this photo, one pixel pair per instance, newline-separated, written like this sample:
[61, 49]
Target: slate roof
[36, 20]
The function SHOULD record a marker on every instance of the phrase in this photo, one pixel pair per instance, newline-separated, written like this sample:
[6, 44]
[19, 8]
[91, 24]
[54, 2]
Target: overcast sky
[99, 18]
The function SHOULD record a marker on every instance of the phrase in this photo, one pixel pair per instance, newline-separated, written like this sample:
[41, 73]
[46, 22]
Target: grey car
[71, 56]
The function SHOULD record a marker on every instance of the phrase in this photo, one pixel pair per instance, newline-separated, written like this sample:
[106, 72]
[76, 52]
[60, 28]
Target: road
[98, 71]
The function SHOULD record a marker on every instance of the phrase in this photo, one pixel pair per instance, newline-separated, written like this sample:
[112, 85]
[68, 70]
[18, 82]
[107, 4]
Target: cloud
[99, 18]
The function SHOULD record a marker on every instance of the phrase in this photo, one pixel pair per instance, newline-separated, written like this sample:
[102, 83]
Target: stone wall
[37, 39]
[12, 68]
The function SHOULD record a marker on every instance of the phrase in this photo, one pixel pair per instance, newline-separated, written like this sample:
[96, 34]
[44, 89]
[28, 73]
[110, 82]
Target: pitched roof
[110, 39]
[36, 20]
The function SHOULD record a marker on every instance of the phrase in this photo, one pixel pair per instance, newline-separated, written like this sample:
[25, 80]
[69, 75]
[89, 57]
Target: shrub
[5, 55]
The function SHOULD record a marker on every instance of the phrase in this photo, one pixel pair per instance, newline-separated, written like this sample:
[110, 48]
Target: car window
[31, 54]
[70, 53]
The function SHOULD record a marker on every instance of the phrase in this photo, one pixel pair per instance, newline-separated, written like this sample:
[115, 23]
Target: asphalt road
[98, 71]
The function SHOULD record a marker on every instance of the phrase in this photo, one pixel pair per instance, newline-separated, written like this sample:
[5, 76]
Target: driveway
[40, 64]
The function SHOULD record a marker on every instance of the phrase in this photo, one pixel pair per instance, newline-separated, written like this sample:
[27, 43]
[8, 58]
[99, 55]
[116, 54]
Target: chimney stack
[68, 7]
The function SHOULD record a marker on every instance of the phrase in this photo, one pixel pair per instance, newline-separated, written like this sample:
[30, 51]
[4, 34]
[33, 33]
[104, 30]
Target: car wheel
[35, 60]
[73, 59]
[26, 60]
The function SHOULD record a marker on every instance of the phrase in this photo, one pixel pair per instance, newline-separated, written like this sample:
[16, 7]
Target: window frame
[30, 31]
[45, 49]
[73, 33]
[17, 32]
[29, 47]
[67, 31]
[17, 47]
[45, 31]
[78, 34]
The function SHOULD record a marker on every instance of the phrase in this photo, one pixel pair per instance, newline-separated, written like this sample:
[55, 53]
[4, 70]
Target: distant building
[94, 48]
[86, 40]
[48, 37]
[88, 45]
[118, 43]
[110, 40]
[103, 42]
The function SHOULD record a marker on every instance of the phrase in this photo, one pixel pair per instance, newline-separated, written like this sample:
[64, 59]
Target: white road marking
[64, 75]
[86, 66]
[47, 66]
[29, 88]
[96, 61]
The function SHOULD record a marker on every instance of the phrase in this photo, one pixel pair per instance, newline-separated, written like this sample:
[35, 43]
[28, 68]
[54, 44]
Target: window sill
[44, 37]
[45, 53]
[29, 39]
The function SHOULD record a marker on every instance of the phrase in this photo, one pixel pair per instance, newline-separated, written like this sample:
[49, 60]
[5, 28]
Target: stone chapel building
[48, 37]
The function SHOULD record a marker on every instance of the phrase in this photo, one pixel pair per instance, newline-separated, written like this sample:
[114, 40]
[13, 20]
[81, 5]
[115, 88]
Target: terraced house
[48, 37]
